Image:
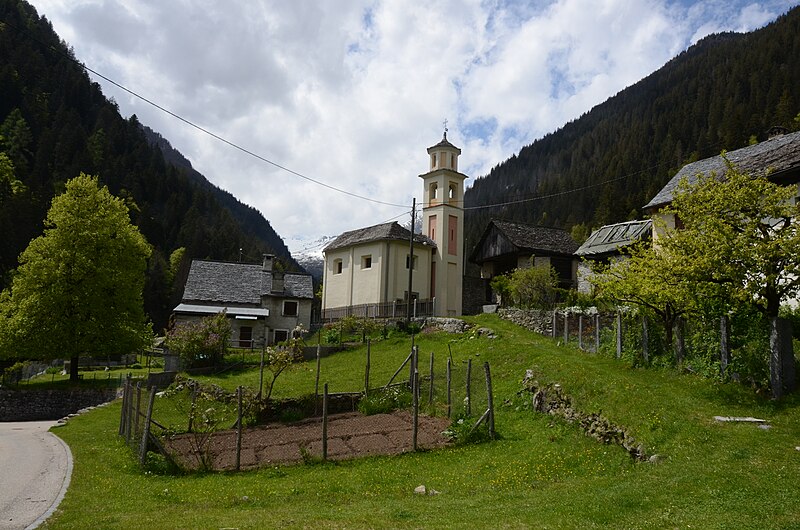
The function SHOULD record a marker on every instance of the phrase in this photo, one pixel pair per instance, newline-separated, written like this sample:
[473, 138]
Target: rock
[433, 492]
[655, 459]
[488, 333]
[420, 490]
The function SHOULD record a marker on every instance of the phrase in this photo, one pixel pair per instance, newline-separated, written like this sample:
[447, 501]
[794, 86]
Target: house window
[337, 266]
[366, 262]
[281, 335]
[290, 308]
[415, 262]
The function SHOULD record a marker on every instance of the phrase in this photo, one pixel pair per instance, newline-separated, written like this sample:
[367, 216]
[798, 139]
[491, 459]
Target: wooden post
[619, 334]
[412, 366]
[408, 358]
[138, 409]
[555, 324]
[645, 340]
[566, 328]
[239, 428]
[415, 399]
[580, 331]
[366, 370]
[261, 370]
[316, 383]
[490, 399]
[146, 430]
[325, 422]
[469, 378]
[597, 332]
[724, 344]
[430, 390]
[449, 374]
[123, 410]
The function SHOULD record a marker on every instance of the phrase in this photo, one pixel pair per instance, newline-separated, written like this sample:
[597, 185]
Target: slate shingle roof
[240, 283]
[530, 238]
[776, 155]
[613, 238]
[382, 232]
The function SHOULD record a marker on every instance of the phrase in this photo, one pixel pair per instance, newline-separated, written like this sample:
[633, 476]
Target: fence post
[415, 424]
[146, 430]
[469, 377]
[555, 324]
[366, 370]
[261, 368]
[138, 409]
[122, 411]
[316, 383]
[412, 366]
[490, 398]
[597, 332]
[724, 344]
[325, 422]
[449, 374]
[645, 340]
[619, 334]
[566, 328]
[580, 331]
[430, 390]
[239, 427]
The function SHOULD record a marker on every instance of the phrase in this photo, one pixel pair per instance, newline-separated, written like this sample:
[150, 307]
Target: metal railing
[386, 310]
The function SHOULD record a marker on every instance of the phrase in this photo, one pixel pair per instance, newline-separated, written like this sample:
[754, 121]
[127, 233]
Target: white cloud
[352, 93]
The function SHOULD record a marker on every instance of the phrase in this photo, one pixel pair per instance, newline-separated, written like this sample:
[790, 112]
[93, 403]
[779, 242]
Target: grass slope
[542, 473]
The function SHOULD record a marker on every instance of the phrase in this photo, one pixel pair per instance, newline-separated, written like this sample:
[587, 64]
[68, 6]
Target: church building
[367, 270]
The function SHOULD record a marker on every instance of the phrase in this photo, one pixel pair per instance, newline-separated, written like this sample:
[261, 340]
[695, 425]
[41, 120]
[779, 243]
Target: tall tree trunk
[73, 368]
[680, 342]
[724, 345]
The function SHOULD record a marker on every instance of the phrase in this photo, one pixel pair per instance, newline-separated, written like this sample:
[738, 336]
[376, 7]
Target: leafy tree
[650, 278]
[740, 237]
[202, 342]
[78, 289]
[534, 287]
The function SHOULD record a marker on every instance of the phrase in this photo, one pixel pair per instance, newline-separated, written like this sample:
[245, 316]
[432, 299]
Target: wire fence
[427, 383]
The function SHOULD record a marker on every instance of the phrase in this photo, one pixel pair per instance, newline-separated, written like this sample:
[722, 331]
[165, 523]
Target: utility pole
[411, 260]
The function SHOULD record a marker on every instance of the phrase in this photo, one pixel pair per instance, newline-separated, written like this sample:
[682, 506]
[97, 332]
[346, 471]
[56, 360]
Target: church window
[366, 261]
[452, 242]
[415, 262]
[337, 266]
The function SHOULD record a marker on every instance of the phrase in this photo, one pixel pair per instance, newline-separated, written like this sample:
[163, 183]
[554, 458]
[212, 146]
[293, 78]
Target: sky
[351, 93]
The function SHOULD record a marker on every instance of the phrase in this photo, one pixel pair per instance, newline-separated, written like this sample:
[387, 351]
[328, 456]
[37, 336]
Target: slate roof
[611, 239]
[444, 143]
[525, 237]
[382, 232]
[240, 283]
[774, 156]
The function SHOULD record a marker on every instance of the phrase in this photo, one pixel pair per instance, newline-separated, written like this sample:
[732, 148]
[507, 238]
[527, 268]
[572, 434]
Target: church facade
[368, 271]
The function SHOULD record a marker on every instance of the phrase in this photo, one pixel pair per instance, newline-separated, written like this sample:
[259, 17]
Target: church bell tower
[443, 222]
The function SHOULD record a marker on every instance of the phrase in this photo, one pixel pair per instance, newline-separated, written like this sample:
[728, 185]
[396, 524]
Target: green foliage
[501, 285]
[383, 400]
[203, 342]
[580, 232]
[78, 290]
[534, 287]
[349, 329]
[463, 431]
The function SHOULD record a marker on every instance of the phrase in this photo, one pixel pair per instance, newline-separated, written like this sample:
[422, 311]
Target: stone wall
[37, 405]
[533, 319]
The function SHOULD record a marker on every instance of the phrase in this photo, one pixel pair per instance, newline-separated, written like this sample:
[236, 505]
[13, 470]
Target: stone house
[606, 244]
[263, 305]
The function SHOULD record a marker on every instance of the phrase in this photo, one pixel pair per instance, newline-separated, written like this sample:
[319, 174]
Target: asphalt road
[35, 468]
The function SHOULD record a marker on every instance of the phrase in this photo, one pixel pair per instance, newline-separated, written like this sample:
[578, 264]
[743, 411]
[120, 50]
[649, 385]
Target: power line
[203, 129]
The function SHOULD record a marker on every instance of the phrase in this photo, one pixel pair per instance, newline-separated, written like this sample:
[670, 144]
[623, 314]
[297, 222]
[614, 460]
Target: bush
[383, 400]
[534, 287]
[203, 342]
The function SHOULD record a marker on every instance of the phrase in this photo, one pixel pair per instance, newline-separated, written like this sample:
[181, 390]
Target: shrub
[534, 287]
[203, 342]
[383, 400]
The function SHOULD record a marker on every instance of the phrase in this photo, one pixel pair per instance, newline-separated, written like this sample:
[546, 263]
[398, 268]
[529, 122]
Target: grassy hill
[542, 472]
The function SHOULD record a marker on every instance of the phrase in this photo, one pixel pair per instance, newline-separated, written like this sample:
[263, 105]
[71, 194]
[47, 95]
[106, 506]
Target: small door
[245, 337]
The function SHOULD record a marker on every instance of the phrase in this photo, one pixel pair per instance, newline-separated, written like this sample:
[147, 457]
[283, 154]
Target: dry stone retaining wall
[38, 405]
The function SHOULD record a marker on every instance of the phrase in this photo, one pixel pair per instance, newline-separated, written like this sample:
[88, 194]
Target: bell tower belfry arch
[443, 222]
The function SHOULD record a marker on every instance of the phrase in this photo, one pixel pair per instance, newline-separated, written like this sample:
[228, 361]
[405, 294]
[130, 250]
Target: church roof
[382, 232]
[524, 237]
[444, 143]
[240, 283]
[611, 239]
[774, 156]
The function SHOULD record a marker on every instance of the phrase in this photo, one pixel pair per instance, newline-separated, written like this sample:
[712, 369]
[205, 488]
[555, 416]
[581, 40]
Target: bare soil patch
[350, 435]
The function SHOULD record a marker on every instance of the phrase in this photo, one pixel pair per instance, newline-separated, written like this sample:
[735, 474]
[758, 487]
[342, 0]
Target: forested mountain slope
[55, 123]
[716, 95]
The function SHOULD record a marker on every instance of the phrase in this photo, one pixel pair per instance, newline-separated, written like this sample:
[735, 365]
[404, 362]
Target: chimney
[268, 262]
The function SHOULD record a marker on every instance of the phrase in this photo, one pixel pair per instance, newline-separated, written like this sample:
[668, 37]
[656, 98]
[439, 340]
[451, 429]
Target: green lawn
[542, 473]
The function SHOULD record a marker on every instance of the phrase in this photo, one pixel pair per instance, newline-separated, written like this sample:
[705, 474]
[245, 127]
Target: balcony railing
[386, 310]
